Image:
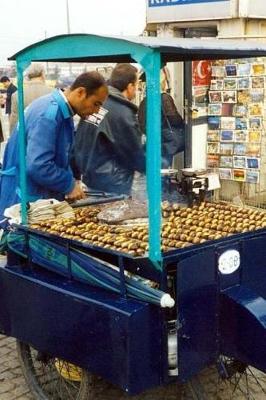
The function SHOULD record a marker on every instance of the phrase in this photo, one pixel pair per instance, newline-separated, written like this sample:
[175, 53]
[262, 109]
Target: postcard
[227, 136]
[215, 109]
[243, 83]
[253, 150]
[258, 69]
[254, 136]
[239, 162]
[212, 161]
[257, 95]
[253, 162]
[231, 70]
[240, 110]
[240, 149]
[230, 84]
[243, 96]
[213, 85]
[226, 149]
[213, 148]
[252, 176]
[255, 110]
[218, 71]
[228, 123]
[215, 96]
[217, 84]
[225, 173]
[257, 82]
[243, 69]
[213, 136]
[226, 162]
[229, 96]
[214, 123]
[241, 123]
[255, 123]
[227, 109]
[239, 175]
[241, 136]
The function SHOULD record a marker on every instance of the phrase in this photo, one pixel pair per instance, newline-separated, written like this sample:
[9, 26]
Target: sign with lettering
[163, 11]
[160, 3]
[229, 262]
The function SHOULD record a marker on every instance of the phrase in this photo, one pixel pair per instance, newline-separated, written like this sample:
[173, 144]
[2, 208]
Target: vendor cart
[74, 322]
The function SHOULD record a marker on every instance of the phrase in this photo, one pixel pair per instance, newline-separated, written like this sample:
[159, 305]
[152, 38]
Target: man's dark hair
[4, 79]
[122, 76]
[91, 81]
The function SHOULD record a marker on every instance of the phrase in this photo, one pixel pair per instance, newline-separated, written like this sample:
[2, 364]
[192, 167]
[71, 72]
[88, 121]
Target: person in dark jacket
[172, 125]
[108, 148]
[49, 133]
[10, 89]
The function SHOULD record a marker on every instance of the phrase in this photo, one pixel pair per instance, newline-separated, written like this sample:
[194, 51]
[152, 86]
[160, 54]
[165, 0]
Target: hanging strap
[165, 116]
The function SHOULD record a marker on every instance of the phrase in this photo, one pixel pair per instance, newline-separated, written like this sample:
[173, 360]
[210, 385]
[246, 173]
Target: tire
[45, 382]
[46, 376]
[228, 380]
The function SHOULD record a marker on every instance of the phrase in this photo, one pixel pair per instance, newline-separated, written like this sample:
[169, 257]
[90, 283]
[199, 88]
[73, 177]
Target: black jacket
[172, 126]
[107, 155]
[10, 90]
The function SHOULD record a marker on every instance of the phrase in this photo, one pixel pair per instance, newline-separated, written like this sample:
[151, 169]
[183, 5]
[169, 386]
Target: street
[13, 386]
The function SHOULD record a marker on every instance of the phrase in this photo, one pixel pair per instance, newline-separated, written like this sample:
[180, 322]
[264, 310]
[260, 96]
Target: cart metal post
[22, 142]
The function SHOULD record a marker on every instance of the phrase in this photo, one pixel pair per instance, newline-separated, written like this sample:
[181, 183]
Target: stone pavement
[13, 386]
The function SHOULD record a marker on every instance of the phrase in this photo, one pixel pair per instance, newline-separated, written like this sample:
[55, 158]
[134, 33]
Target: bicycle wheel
[50, 378]
[229, 380]
[238, 381]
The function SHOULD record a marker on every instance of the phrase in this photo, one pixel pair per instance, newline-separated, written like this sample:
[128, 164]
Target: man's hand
[77, 193]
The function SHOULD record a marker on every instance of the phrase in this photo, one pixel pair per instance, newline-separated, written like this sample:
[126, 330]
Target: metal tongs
[97, 197]
[97, 193]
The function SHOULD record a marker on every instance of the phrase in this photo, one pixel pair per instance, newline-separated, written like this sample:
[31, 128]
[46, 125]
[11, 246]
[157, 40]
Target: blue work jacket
[49, 137]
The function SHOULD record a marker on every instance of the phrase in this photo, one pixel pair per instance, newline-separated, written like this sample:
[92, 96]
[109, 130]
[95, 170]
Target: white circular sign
[229, 262]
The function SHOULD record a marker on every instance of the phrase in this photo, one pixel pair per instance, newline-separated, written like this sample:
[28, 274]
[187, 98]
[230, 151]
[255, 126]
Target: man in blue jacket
[49, 136]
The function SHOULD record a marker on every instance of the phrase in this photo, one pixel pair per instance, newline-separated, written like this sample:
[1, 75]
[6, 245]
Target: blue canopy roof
[79, 48]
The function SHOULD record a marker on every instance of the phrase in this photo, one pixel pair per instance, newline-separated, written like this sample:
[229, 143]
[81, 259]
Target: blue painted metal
[22, 145]
[197, 304]
[116, 338]
[243, 326]
[152, 64]
[216, 313]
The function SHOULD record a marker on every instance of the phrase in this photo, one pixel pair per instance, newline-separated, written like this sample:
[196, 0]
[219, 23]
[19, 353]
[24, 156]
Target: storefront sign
[162, 3]
[187, 10]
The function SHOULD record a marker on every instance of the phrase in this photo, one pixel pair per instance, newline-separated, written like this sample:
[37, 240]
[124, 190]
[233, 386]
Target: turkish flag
[201, 73]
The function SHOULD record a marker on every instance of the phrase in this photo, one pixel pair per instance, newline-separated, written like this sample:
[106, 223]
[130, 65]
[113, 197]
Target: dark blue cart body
[125, 340]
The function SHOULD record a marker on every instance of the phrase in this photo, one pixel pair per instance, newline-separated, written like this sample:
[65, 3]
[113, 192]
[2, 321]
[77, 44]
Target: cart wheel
[52, 379]
[239, 381]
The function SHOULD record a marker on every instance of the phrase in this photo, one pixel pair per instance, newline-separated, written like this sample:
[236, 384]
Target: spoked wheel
[238, 381]
[49, 378]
